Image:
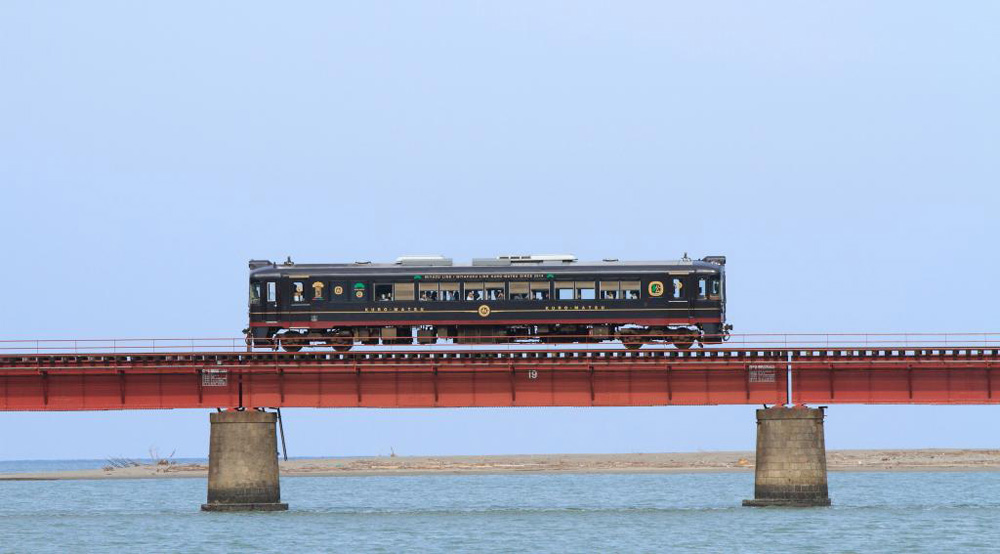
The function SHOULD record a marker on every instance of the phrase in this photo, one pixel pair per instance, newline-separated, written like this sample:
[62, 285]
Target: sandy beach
[685, 462]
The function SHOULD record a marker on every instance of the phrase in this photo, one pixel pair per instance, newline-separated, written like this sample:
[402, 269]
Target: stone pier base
[243, 463]
[791, 458]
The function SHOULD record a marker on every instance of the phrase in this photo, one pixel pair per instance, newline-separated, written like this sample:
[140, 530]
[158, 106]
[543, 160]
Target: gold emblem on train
[484, 310]
[338, 290]
[656, 288]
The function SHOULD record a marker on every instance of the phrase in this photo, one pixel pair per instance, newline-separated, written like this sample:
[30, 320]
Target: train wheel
[683, 344]
[291, 342]
[341, 342]
[632, 342]
[631, 338]
[683, 339]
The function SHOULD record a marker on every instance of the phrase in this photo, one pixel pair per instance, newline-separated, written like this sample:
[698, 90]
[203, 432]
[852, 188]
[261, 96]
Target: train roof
[439, 265]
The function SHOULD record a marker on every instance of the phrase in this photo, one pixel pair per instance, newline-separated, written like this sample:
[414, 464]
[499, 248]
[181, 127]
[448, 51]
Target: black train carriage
[549, 299]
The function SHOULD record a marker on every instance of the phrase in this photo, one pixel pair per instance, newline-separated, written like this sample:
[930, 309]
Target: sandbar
[679, 462]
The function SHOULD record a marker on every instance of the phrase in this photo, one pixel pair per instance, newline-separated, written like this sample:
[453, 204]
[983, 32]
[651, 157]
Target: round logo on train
[484, 310]
[656, 288]
[338, 290]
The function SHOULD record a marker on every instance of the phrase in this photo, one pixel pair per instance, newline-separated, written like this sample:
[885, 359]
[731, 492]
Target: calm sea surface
[872, 512]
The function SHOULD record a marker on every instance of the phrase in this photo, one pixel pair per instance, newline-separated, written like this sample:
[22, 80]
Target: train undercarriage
[631, 336]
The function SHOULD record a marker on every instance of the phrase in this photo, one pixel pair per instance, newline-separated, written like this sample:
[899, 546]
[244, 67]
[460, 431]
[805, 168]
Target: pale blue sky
[843, 155]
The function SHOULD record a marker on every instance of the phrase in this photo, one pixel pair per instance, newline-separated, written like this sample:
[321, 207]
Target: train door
[679, 291]
[270, 304]
[700, 294]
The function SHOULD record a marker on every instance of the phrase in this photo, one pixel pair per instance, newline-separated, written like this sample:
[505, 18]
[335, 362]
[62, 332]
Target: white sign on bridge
[213, 377]
[761, 373]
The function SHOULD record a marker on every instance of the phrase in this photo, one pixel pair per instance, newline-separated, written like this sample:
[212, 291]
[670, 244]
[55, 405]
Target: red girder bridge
[135, 374]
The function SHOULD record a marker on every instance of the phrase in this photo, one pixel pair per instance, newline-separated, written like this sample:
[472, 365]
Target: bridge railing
[769, 341]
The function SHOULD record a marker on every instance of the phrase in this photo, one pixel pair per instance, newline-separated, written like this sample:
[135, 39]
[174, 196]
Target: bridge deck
[445, 377]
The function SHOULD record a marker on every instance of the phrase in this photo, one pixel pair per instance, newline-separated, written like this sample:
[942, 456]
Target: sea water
[695, 512]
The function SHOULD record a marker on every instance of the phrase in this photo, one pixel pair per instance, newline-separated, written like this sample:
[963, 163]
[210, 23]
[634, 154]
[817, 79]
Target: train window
[702, 288]
[678, 287]
[402, 291]
[630, 290]
[298, 291]
[254, 294]
[564, 290]
[383, 293]
[449, 292]
[494, 291]
[428, 292]
[609, 290]
[272, 291]
[518, 291]
[539, 291]
[715, 291]
[473, 291]
[585, 290]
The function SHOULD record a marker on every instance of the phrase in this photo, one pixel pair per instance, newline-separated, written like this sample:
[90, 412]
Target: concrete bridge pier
[243, 463]
[791, 458]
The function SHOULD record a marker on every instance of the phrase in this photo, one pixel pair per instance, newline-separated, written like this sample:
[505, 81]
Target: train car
[529, 298]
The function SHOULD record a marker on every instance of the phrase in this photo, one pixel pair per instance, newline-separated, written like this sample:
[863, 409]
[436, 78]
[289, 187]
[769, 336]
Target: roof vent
[490, 262]
[254, 264]
[424, 260]
[537, 258]
[718, 260]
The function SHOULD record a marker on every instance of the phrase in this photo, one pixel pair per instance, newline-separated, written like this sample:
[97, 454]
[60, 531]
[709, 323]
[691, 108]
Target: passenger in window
[678, 288]
[298, 295]
[499, 295]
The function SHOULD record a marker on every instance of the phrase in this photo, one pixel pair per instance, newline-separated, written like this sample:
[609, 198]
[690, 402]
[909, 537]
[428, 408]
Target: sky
[842, 155]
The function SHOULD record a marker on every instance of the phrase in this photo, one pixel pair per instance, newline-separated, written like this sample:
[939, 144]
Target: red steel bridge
[751, 369]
